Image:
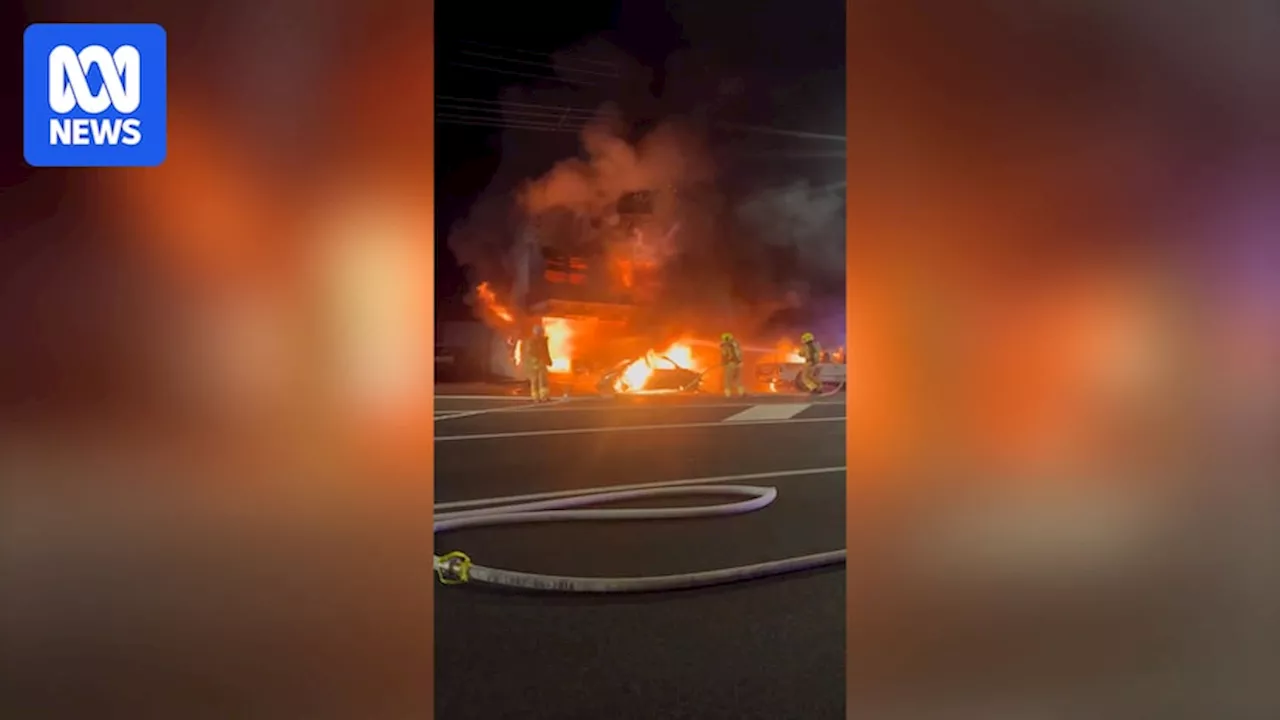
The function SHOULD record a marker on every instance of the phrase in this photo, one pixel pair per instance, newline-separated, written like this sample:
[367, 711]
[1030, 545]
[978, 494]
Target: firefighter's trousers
[809, 377]
[538, 382]
[733, 379]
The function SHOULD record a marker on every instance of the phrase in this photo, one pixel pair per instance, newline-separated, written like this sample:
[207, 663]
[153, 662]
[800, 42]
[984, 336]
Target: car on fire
[785, 376]
[664, 375]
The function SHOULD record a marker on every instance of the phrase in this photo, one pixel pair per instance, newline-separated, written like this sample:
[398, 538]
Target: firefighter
[812, 353]
[537, 360]
[731, 360]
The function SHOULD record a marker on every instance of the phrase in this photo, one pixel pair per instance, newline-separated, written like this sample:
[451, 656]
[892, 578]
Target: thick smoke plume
[809, 219]
[719, 261]
[739, 261]
[669, 157]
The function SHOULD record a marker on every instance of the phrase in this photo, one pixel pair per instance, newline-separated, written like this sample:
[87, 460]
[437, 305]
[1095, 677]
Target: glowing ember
[637, 375]
[490, 301]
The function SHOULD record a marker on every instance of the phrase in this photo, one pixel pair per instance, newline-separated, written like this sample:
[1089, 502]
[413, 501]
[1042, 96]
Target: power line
[504, 121]
[767, 130]
[503, 111]
[573, 118]
[532, 128]
[471, 122]
[558, 114]
[473, 43]
[558, 121]
[495, 114]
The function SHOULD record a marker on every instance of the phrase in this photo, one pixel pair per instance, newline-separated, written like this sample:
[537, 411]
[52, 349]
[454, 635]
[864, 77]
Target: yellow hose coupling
[453, 568]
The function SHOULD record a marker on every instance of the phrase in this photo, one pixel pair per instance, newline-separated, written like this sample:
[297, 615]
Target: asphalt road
[765, 649]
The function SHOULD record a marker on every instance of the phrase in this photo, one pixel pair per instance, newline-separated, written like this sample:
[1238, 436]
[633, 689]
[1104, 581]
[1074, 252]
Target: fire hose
[455, 568]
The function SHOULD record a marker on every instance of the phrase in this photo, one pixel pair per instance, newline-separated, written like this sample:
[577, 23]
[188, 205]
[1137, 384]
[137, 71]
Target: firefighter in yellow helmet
[537, 359]
[731, 360]
[812, 354]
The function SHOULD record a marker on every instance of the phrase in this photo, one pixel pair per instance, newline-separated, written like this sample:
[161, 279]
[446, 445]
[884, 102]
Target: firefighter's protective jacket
[812, 352]
[730, 352]
[538, 351]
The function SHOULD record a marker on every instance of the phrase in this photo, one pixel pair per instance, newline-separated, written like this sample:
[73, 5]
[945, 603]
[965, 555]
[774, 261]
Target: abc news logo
[89, 100]
[69, 91]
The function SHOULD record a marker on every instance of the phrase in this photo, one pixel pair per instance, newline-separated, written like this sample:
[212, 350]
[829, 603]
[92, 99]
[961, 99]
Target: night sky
[467, 156]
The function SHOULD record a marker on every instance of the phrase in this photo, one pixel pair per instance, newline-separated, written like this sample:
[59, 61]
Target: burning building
[591, 284]
[596, 301]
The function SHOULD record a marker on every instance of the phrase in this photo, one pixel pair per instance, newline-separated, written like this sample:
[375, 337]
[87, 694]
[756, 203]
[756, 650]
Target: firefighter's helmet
[807, 337]
[726, 337]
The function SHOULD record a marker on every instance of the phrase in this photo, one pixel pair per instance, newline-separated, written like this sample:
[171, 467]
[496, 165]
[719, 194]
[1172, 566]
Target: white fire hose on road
[456, 568]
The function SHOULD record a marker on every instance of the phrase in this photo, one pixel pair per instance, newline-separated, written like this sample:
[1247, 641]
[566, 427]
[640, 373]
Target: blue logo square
[94, 95]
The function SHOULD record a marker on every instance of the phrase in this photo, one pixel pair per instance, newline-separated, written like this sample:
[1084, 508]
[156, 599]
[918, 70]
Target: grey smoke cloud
[724, 239]
[670, 157]
[810, 219]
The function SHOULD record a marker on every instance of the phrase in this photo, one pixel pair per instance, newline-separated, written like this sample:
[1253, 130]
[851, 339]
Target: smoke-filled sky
[645, 116]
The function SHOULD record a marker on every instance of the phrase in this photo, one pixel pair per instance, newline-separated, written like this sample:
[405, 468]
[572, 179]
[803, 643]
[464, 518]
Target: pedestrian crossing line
[523, 397]
[772, 411]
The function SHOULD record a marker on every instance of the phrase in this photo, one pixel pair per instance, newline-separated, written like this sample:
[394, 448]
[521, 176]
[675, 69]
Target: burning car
[785, 376]
[651, 374]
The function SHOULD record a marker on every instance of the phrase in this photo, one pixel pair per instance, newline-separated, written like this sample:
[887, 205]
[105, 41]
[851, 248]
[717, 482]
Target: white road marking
[557, 407]
[629, 428]
[639, 406]
[499, 398]
[482, 502]
[529, 407]
[769, 412]
[454, 414]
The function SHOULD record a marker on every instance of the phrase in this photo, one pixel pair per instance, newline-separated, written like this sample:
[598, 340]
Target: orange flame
[788, 353]
[636, 376]
[560, 342]
[630, 271]
[490, 300]
[560, 335]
